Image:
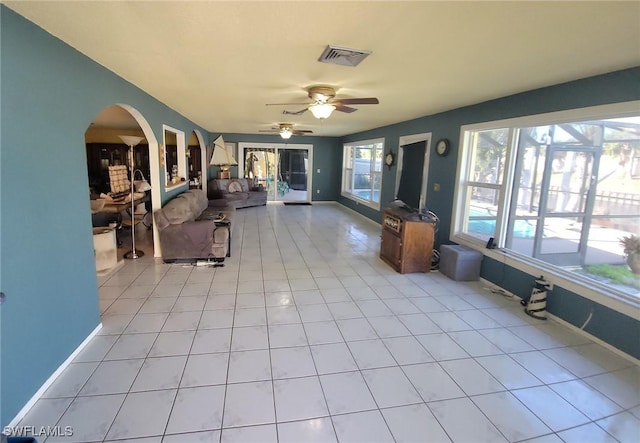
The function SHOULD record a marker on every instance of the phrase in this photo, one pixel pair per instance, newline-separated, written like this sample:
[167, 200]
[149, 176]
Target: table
[117, 208]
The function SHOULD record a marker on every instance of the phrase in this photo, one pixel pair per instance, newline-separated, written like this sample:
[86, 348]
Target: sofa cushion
[234, 186]
[178, 210]
[217, 189]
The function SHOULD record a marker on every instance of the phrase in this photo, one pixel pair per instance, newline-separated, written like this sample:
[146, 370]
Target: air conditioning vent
[343, 56]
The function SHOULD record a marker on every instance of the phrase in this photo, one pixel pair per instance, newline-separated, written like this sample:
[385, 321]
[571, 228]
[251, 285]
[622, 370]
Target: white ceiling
[219, 63]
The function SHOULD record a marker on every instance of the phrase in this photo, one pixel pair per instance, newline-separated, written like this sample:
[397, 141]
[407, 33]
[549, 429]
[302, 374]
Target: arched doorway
[103, 133]
[197, 152]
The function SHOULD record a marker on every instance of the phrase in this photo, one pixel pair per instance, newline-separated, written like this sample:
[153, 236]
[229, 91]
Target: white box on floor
[105, 248]
[460, 263]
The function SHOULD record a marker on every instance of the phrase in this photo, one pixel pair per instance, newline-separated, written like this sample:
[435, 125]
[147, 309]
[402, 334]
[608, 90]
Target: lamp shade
[221, 154]
[322, 110]
[142, 185]
[130, 140]
[286, 133]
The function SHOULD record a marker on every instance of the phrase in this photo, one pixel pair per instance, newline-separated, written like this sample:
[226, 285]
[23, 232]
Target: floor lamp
[132, 141]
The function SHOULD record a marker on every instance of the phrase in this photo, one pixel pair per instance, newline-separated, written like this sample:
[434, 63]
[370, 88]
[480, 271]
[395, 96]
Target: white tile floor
[305, 335]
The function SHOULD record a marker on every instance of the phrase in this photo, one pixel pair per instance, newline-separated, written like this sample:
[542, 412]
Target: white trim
[590, 290]
[154, 169]
[351, 196]
[277, 147]
[181, 156]
[615, 110]
[204, 164]
[32, 401]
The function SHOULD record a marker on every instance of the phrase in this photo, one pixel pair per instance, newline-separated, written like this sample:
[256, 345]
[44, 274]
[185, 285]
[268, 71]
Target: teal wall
[610, 326]
[327, 156]
[50, 95]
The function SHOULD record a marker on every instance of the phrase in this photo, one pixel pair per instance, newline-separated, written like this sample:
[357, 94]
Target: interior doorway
[197, 160]
[103, 135]
[283, 170]
[420, 180]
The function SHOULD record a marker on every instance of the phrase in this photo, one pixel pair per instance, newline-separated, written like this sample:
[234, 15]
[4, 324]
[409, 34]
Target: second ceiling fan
[286, 130]
[324, 103]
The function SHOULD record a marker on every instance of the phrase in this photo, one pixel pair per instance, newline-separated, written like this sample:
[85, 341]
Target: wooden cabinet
[406, 241]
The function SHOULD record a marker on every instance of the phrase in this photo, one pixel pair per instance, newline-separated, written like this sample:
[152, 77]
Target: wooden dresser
[407, 241]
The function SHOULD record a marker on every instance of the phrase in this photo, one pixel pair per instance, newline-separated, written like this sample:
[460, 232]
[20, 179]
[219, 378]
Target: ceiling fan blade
[346, 109]
[300, 112]
[287, 104]
[356, 101]
[301, 132]
[268, 131]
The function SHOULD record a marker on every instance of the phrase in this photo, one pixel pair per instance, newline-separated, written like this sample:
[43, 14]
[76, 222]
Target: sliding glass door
[283, 170]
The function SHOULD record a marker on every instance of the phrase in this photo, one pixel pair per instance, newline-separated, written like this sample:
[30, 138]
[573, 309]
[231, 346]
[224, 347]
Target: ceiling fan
[286, 130]
[324, 103]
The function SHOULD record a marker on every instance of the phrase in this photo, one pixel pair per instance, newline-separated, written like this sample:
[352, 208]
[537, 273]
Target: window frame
[351, 196]
[584, 286]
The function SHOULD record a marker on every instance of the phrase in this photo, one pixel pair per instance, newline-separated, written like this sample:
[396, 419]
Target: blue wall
[50, 95]
[608, 325]
[327, 156]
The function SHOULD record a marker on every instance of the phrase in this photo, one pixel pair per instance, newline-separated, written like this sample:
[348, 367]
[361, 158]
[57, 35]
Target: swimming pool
[487, 227]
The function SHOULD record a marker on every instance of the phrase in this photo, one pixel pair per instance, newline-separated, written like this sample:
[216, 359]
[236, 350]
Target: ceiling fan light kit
[324, 103]
[286, 133]
[322, 110]
[286, 130]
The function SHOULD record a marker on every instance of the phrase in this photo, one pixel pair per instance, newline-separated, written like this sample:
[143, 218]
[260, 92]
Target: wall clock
[389, 159]
[442, 147]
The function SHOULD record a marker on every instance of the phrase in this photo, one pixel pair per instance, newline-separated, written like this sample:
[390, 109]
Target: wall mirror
[175, 161]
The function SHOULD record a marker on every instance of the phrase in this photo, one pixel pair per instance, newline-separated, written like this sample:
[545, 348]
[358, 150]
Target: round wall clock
[442, 147]
[389, 159]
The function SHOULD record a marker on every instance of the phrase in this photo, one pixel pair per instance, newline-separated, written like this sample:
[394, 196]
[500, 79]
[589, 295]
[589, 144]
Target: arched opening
[197, 159]
[109, 158]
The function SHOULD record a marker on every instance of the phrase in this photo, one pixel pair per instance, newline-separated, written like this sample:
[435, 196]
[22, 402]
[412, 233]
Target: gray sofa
[237, 191]
[188, 231]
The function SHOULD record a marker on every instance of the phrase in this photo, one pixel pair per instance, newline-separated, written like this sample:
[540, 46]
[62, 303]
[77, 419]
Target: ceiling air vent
[343, 56]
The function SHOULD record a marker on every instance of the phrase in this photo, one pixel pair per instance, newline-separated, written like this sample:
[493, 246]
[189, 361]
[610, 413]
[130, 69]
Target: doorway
[420, 182]
[283, 170]
[105, 129]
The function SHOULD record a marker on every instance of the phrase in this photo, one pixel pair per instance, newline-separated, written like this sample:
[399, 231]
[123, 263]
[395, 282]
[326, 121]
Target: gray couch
[188, 231]
[237, 191]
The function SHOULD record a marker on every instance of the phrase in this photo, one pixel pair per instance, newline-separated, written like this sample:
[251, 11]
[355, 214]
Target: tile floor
[305, 335]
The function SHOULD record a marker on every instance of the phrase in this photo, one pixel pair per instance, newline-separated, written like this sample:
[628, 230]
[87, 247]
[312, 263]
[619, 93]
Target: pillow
[234, 186]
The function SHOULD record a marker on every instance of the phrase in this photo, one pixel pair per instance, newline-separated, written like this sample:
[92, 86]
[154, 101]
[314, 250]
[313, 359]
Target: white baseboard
[32, 401]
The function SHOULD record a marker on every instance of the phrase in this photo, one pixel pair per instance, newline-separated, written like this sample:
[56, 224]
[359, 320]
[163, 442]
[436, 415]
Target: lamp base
[133, 254]
[224, 174]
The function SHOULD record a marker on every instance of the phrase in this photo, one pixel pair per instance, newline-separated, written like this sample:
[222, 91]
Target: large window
[362, 172]
[557, 190]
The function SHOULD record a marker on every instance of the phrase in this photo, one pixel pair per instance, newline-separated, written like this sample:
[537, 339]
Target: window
[362, 172]
[558, 191]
